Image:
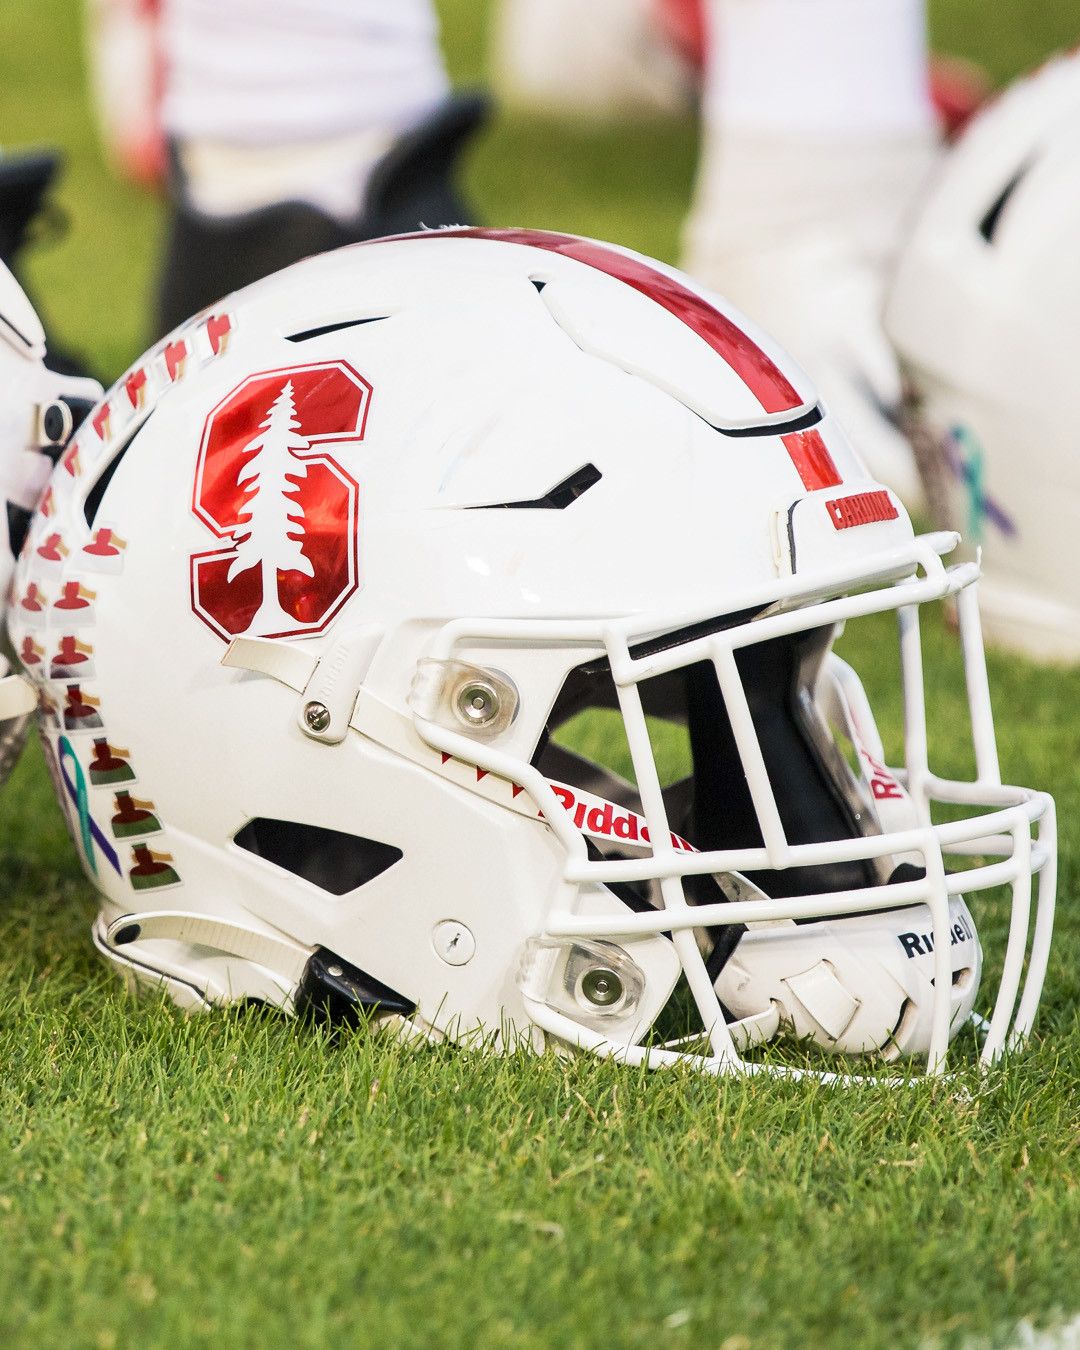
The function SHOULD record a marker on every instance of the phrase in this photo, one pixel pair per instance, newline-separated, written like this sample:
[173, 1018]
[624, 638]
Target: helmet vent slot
[801, 423]
[18, 524]
[97, 492]
[308, 333]
[333, 861]
[558, 498]
[990, 221]
[898, 1037]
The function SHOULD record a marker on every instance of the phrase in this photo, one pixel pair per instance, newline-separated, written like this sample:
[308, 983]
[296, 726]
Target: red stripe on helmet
[758, 371]
[762, 376]
[811, 458]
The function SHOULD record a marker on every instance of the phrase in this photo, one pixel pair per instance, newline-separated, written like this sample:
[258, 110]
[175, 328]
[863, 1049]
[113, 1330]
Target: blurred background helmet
[443, 628]
[983, 312]
[38, 412]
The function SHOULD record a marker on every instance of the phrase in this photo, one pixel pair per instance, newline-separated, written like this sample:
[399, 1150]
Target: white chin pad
[856, 985]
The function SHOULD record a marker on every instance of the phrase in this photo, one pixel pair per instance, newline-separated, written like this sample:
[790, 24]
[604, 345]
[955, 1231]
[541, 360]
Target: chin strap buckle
[320, 983]
[336, 991]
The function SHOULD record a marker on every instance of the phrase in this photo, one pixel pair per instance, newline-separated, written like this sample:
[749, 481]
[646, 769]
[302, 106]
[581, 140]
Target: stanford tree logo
[283, 507]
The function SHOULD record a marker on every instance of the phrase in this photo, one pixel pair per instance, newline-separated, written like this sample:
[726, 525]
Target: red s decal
[284, 508]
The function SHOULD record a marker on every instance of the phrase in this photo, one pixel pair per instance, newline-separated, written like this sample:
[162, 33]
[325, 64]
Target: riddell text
[610, 821]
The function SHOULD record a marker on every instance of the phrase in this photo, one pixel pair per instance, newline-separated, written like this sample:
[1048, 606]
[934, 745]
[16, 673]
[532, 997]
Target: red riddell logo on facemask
[284, 507]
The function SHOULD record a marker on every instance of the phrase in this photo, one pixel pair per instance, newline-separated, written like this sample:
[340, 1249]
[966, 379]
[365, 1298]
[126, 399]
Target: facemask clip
[462, 697]
[596, 983]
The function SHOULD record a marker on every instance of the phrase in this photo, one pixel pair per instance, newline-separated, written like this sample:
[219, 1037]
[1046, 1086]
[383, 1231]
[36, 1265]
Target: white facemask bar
[1005, 831]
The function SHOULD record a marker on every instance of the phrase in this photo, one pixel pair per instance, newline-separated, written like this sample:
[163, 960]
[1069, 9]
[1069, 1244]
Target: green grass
[239, 1180]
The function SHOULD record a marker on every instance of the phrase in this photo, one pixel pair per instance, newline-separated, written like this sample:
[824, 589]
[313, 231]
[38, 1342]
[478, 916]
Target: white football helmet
[323, 583]
[38, 410]
[983, 311]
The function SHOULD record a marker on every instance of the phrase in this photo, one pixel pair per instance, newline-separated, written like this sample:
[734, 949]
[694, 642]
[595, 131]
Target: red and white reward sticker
[601, 819]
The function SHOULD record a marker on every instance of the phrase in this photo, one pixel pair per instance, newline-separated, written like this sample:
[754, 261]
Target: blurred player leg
[126, 70]
[595, 58]
[819, 131]
[297, 126]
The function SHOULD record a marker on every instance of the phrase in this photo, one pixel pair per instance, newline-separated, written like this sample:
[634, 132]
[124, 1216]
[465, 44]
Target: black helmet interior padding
[817, 794]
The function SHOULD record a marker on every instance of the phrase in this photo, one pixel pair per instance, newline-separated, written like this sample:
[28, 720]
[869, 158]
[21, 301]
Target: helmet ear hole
[333, 861]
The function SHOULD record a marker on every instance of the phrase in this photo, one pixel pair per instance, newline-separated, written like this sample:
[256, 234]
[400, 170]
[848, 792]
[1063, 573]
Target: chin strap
[281, 957]
[315, 981]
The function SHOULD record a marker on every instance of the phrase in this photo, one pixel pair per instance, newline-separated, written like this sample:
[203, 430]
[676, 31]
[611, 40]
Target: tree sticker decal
[269, 535]
[272, 483]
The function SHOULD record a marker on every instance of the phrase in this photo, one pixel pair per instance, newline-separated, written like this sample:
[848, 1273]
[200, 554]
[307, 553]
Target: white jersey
[274, 72]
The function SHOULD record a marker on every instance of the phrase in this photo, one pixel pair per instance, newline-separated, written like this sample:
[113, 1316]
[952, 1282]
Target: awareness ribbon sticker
[88, 827]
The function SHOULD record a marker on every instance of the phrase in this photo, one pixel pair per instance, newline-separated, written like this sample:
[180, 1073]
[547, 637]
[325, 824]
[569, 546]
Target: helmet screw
[477, 703]
[601, 986]
[317, 716]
